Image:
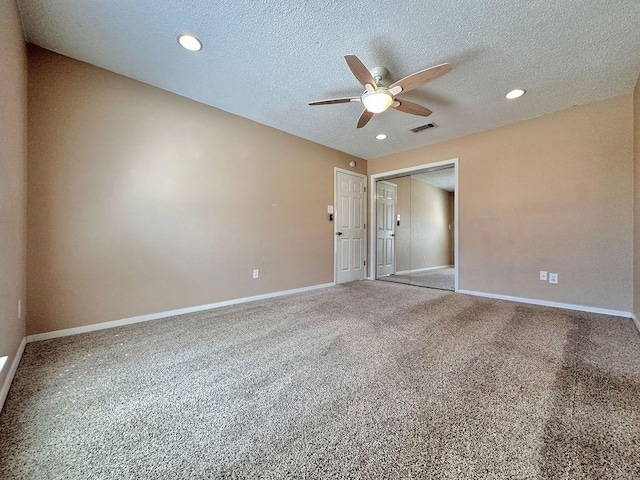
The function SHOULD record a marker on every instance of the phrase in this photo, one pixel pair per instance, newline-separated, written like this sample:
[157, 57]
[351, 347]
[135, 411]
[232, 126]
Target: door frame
[408, 171]
[335, 219]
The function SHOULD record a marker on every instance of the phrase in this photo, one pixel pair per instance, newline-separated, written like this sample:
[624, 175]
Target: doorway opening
[415, 226]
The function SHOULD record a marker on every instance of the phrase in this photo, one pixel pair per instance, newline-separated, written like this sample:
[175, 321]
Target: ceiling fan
[378, 96]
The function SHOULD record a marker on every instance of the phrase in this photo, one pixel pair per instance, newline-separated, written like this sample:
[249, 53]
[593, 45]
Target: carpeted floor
[365, 380]
[442, 278]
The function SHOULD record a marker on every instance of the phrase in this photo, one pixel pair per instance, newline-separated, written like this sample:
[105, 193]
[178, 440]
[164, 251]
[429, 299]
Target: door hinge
[365, 263]
[365, 226]
[365, 189]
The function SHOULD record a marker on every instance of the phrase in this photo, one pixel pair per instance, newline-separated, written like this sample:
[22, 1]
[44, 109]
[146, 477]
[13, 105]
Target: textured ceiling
[443, 178]
[265, 60]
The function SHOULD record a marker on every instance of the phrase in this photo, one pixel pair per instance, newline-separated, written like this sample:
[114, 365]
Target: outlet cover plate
[543, 275]
[553, 278]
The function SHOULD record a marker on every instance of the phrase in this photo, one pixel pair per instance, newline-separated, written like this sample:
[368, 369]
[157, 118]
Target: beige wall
[452, 232]
[423, 238]
[551, 193]
[13, 105]
[430, 234]
[636, 196]
[142, 201]
[403, 231]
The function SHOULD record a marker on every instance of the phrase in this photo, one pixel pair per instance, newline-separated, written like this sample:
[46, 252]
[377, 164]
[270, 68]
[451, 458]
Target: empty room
[261, 239]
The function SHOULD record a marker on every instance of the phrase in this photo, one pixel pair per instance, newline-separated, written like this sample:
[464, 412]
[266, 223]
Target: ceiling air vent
[424, 127]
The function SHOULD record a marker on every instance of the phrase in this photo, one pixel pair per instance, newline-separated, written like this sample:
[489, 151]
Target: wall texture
[552, 193]
[636, 197]
[423, 238]
[142, 201]
[13, 159]
[403, 231]
[430, 234]
[452, 233]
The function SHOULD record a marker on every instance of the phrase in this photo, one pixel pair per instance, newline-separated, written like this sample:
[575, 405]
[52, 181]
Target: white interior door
[350, 227]
[386, 228]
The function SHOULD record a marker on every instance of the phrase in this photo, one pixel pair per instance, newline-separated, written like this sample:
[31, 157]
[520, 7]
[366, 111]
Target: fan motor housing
[379, 74]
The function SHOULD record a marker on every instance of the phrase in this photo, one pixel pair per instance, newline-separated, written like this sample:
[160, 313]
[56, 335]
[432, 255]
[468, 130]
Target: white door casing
[350, 226]
[386, 195]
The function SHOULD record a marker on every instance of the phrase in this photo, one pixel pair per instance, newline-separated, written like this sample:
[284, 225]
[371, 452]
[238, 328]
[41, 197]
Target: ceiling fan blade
[420, 78]
[360, 71]
[336, 100]
[412, 108]
[364, 118]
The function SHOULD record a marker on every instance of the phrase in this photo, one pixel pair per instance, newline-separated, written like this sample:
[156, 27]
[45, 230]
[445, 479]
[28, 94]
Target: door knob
[393, 234]
[338, 233]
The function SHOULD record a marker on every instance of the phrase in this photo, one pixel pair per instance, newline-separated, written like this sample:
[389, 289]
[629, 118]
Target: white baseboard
[4, 391]
[171, 313]
[545, 303]
[418, 270]
[636, 322]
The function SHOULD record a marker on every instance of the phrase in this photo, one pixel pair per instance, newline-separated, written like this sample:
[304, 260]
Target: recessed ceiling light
[516, 93]
[381, 136]
[190, 42]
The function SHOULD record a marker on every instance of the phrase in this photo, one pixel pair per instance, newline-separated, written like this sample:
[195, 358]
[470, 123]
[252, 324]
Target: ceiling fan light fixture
[378, 96]
[189, 42]
[381, 136]
[378, 101]
[515, 93]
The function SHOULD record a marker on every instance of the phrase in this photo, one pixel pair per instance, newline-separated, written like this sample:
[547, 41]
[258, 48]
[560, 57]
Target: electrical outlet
[543, 275]
[553, 278]
[256, 273]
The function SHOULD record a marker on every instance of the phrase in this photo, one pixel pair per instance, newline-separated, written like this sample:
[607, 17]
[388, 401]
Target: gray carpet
[366, 380]
[442, 278]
